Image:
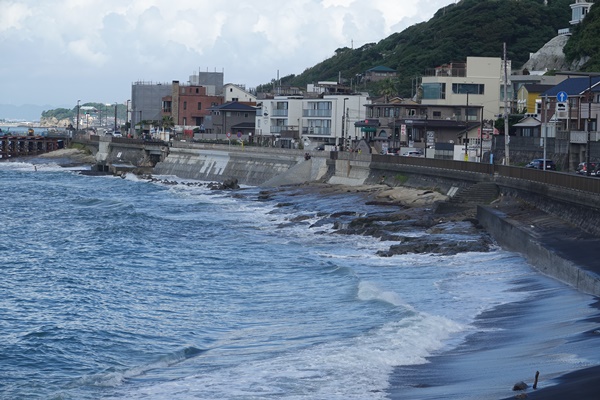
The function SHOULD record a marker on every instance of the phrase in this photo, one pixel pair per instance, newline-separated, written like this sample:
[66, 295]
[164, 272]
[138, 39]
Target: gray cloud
[60, 51]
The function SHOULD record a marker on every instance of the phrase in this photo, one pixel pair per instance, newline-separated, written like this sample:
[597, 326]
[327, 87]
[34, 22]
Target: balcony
[279, 113]
[316, 130]
[316, 113]
[581, 137]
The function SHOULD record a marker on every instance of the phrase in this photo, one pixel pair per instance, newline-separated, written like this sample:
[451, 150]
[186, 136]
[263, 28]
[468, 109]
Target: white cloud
[55, 52]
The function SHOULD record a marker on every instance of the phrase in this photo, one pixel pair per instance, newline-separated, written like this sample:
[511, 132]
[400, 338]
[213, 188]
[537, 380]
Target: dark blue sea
[131, 289]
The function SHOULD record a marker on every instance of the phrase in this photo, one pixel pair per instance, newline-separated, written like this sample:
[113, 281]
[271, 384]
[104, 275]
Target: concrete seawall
[249, 167]
[552, 246]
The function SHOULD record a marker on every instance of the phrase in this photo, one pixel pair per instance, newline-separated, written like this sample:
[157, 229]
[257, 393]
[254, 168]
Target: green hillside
[467, 28]
[585, 41]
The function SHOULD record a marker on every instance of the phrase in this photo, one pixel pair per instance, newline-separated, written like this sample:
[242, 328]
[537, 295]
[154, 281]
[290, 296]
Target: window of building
[235, 99]
[437, 114]
[197, 90]
[185, 105]
[386, 112]
[199, 106]
[434, 91]
[470, 88]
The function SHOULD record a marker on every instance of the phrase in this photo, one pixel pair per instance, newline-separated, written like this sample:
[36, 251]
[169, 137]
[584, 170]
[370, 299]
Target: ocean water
[129, 289]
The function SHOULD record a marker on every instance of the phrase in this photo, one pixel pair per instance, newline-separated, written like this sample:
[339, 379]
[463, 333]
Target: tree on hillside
[468, 28]
[584, 43]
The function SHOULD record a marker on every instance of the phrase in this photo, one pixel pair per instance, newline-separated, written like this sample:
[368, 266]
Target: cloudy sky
[55, 52]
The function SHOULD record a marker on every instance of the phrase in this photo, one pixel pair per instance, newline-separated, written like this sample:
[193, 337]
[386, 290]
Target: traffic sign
[228, 134]
[562, 96]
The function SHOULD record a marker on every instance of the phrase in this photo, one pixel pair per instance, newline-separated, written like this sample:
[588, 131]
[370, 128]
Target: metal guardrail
[565, 180]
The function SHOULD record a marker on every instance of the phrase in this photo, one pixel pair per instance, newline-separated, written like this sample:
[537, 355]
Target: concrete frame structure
[482, 78]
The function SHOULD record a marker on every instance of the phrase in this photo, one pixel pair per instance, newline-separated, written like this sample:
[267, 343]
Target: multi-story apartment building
[481, 79]
[324, 114]
[189, 105]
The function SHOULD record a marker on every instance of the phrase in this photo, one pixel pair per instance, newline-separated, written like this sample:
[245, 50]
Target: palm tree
[167, 122]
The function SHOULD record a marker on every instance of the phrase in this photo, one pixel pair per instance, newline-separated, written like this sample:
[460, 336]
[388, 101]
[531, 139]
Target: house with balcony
[405, 123]
[323, 114]
[573, 118]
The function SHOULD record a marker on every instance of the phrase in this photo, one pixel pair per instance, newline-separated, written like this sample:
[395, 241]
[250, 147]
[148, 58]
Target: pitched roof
[381, 68]
[574, 86]
[537, 87]
[233, 106]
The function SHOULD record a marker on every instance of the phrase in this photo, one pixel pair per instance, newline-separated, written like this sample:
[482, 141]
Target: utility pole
[590, 97]
[506, 134]
[115, 117]
[467, 130]
[77, 129]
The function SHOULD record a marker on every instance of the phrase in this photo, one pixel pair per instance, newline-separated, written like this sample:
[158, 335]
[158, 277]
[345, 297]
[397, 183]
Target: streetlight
[342, 146]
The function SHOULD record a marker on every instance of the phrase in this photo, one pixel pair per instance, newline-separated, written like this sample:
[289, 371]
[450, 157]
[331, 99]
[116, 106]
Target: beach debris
[537, 375]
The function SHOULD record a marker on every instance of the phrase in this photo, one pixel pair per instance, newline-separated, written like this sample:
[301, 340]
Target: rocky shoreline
[410, 208]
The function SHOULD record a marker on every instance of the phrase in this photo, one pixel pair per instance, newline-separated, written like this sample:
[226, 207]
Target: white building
[579, 10]
[233, 92]
[314, 118]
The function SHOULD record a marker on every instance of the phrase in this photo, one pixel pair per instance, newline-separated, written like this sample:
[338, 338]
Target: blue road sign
[562, 96]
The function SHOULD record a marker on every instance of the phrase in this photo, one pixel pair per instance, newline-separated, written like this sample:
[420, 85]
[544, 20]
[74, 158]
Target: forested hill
[467, 28]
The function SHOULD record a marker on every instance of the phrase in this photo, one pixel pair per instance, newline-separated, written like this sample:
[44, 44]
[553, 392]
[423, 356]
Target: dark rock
[520, 386]
[300, 218]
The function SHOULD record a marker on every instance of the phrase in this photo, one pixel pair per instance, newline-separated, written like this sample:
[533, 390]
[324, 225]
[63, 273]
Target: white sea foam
[356, 368]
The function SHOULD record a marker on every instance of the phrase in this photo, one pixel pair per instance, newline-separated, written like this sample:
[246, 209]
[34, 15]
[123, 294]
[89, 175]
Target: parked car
[582, 168]
[538, 163]
[414, 153]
